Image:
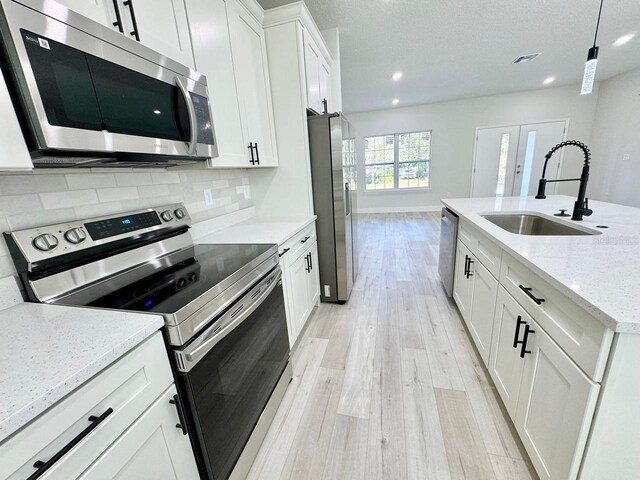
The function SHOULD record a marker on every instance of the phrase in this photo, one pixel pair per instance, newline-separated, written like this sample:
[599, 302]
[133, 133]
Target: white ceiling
[450, 49]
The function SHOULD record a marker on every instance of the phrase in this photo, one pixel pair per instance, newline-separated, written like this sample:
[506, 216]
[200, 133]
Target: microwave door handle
[193, 143]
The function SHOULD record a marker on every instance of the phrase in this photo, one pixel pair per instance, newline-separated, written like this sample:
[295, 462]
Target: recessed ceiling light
[395, 101]
[527, 58]
[157, 112]
[624, 39]
[549, 80]
[397, 76]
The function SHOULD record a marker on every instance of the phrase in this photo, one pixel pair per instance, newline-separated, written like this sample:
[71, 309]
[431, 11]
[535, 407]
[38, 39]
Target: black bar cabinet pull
[305, 239]
[527, 290]
[118, 22]
[466, 265]
[325, 106]
[519, 323]
[135, 33]
[283, 252]
[182, 425]
[310, 261]
[308, 267]
[253, 160]
[42, 467]
[527, 331]
[257, 154]
[469, 274]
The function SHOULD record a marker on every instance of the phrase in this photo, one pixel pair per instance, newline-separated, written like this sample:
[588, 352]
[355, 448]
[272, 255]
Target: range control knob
[179, 213]
[167, 216]
[75, 236]
[45, 242]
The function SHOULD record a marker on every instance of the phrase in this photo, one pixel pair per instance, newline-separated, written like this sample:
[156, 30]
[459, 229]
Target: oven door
[230, 371]
[85, 94]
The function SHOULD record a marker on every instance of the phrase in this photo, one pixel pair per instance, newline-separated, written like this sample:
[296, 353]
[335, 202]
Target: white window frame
[397, 162]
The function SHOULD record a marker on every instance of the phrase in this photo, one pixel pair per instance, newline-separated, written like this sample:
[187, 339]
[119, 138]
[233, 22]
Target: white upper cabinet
[158, 24]
[318, 76]
[14, 154]
[254, 90]
[101, 11]
[212, 53]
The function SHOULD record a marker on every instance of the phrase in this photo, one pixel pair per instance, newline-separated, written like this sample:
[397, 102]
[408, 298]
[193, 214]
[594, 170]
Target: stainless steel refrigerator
[333, 172]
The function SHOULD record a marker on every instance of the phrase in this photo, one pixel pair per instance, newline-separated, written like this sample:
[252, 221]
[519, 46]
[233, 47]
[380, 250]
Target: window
[398, 161]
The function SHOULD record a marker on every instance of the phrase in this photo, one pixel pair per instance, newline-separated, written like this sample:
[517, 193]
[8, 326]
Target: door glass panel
[232, 384]
[135, 104]
[528, 162]
[502, 164]
[64, 83]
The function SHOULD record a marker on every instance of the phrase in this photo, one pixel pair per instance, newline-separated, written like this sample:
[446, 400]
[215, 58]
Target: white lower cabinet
[152, 448]
[480, 322]
[555, 408]
[304, 289]
[463, 281]
[505, 366]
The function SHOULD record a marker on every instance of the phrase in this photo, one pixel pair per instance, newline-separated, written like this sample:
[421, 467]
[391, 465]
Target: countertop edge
[258, 221]
[608, 321]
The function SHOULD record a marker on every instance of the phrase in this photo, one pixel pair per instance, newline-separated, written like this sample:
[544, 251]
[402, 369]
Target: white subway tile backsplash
[83, 181]
[133, 179]
[73, 198]
[38, 198]
[117, 194]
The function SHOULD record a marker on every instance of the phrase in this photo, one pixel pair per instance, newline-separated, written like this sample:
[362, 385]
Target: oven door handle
[193, 121]
[191, 355]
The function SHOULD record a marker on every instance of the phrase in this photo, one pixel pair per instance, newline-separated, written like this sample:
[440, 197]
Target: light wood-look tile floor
[389, 386]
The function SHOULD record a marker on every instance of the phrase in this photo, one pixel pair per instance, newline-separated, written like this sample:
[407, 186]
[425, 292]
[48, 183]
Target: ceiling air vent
[526, 58]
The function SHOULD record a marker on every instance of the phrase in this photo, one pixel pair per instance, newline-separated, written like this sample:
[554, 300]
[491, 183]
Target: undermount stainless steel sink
[531, 224]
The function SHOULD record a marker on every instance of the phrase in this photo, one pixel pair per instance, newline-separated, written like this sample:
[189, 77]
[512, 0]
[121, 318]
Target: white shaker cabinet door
[483, 304]
[101, 11]
[325, 88]
[313, 278]
[153, 447]
[505, 364]
[252, 77]
[299, 290]
[212, 53]
[312, 72]
[161, 25]
[463, 282]
[555, 408]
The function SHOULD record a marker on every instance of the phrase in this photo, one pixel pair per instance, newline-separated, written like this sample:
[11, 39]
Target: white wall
[615, 141]
[453, 125]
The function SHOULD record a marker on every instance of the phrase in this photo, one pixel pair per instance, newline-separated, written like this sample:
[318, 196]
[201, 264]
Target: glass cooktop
[173, 287]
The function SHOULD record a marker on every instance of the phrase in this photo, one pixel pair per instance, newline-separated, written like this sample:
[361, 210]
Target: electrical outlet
[208, 197]
[327, 290]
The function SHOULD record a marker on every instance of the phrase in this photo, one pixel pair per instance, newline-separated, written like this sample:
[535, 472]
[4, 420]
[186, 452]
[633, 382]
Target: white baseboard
[426, 208]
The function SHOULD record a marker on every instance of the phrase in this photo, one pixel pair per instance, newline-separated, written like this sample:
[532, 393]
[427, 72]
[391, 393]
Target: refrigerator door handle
[347, 199]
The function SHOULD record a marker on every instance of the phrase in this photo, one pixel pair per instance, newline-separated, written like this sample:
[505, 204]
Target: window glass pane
[502, 165]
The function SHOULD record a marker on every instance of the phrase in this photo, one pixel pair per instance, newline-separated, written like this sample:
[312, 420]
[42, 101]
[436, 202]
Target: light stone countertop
[274, 230]
[601, 273]
[47, 351]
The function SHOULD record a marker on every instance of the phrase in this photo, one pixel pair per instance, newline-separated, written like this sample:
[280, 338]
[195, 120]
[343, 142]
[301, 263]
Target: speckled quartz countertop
[259, 230]
[601, 273]
[47, 351]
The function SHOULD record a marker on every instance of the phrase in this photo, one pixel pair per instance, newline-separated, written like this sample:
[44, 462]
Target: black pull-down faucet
[581, 207]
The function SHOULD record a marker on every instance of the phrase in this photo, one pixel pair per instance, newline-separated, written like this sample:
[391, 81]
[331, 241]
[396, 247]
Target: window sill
[399, 190]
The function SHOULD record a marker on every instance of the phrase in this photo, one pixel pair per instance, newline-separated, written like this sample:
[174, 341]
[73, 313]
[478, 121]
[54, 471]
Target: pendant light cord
[598, 24]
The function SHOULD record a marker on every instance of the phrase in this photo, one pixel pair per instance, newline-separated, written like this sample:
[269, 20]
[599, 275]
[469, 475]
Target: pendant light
[592, 61]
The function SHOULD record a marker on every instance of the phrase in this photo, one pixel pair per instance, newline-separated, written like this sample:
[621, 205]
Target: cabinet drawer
[298, 243]
[484, 249]
[127, 387]
[586, 340]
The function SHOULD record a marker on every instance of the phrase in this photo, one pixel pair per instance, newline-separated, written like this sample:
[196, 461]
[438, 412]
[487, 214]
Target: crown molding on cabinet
[254, 9]
[298, 11]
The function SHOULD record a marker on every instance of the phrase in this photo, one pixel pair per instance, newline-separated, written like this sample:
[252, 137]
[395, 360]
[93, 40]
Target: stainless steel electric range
[223, 305]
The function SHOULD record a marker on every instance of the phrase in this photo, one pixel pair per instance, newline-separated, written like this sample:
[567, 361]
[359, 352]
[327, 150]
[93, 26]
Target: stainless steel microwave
[87, 95]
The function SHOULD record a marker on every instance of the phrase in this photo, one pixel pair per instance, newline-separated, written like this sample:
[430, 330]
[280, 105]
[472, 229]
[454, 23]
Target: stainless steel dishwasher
[448, 236]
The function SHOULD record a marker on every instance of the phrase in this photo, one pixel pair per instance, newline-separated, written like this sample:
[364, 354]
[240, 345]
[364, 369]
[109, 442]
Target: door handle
[308, 267]
[283, 252]
[257, 153]
[118, 22]
[325, 106]
[135, 32]
[527, 331]
[182, 425]
[469, 274]
[304, 240]
[253, 160]
[193, 121]
[310, 261]
[466, 265]
[519, 323]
